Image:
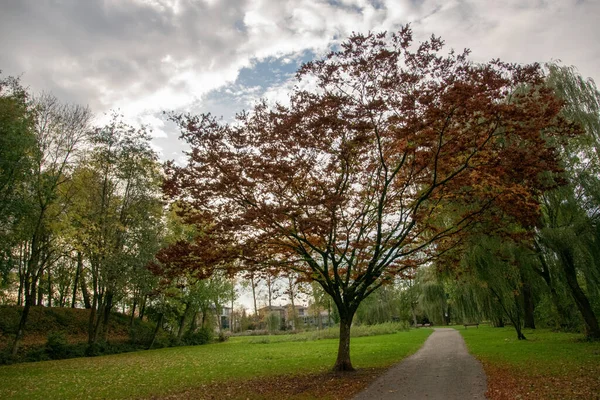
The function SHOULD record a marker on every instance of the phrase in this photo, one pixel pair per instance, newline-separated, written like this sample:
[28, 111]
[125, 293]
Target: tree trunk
[270, 292]
[84, 290]
[292, 295]
[203, 321]
[50, 288]
[414, 314]
[514, 318]
[20, 292]
[22, 257]
[232, 300]
[218, 312]
[133, 312]
[143, 307]
[76, 282]
[22, 323]
[194, 323]
[581, 300]
[343, 362]
[33, 290]
[40, 294]
[544, 272]
[158, 325]
[30, 279]
[183, 320]
[528, 307]
[92, 320]
[108, 304]
[252, 283]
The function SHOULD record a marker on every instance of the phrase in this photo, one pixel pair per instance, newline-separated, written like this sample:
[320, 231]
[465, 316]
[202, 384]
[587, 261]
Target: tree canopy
[393, 153]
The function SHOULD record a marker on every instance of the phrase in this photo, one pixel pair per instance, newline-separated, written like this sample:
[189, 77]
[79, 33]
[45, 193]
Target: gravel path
[441, 369]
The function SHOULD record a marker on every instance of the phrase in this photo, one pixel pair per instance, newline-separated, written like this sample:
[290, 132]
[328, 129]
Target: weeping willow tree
[433, 298]
[498, 268]
[568, 244]
[383, 306]
[471, 302]
[569, 238]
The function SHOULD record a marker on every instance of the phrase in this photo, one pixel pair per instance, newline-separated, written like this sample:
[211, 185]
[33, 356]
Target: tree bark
[292, 293]
[85, 294]
[194, 323]
[231, 321]
[544, 272]
[581, 300]
[252, 283]
[143, 307]
[50, 288]
[204, 310]
[22, 258]
[76, 282]
[92, 320]
[414, 314]
[40, 294]
[22, 323]
[343, 362]
[30, 280]
[514, 318]
[133, 307]
[528, 307]
[158, 325]
[183, 320]
[84, 290]
[108, 304]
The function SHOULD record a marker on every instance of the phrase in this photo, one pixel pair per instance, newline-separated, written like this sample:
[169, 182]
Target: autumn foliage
[393, 153]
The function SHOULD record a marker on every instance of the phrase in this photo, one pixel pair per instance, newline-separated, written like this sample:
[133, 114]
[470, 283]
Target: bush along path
[441, 369]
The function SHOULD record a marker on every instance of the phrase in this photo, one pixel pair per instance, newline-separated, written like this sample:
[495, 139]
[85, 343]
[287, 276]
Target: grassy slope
[548, 365]
[172, 370]
[72, 321]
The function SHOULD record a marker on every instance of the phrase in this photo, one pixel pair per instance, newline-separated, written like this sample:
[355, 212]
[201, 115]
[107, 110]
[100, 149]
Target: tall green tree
[60, 132]
[117, 216]
[17, 148]
[569, 237]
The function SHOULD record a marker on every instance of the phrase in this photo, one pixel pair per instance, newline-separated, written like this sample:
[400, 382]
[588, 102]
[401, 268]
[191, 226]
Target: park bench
[472, 324]
[423, 325]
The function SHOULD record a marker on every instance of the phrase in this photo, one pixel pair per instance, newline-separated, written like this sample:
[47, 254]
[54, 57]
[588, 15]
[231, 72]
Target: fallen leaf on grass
[334, 386]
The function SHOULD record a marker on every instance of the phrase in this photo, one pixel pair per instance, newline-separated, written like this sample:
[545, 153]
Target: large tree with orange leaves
[393, 153]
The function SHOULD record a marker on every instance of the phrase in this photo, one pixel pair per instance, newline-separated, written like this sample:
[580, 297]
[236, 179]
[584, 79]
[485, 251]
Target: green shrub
[36, 354]
[9, 319]
[57, 346]
[95, 349]
[7, 358]
[141, 333]
[202, 336]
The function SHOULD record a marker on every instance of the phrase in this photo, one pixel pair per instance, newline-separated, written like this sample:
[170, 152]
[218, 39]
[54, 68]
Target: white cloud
[142, 56]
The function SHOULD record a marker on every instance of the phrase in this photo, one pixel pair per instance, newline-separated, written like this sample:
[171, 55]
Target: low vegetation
[59, 333]
[201, 369]
[549, 365]
[332, 333]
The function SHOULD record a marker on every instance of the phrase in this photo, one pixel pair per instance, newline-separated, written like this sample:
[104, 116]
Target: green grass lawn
[550, 352]
[157, 372]
[546, 365]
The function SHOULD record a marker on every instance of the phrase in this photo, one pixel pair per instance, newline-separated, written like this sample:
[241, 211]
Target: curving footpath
[441, 369]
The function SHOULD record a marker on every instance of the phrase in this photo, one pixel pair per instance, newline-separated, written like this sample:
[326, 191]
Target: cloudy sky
[145, 56]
